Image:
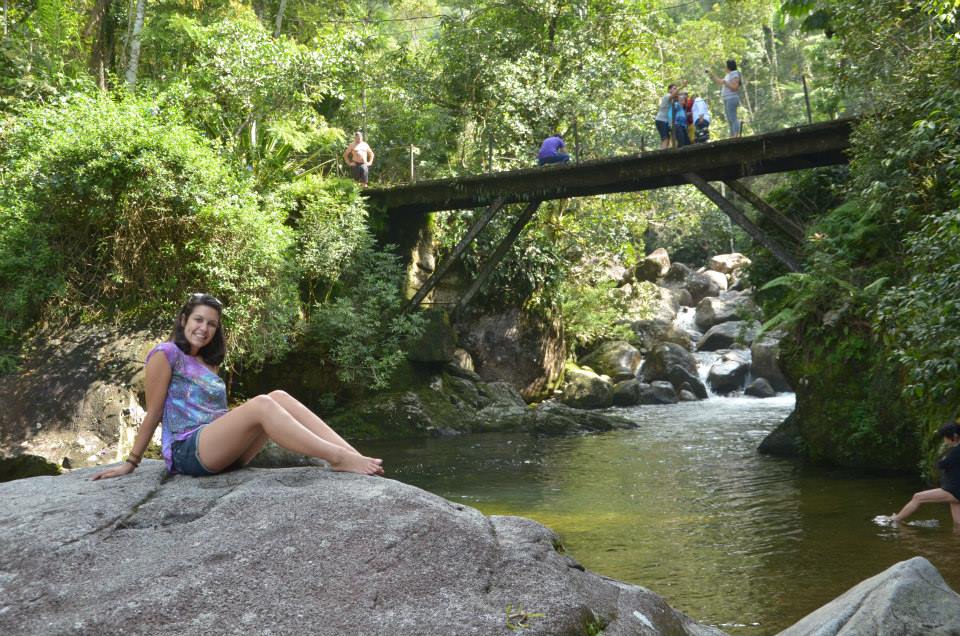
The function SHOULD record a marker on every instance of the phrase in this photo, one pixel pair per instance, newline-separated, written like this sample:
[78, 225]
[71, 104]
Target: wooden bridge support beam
[741, 219]
[458, 251]
[497, 255]
[793, 229]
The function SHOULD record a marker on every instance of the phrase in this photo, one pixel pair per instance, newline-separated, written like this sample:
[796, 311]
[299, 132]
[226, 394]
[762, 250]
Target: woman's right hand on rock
[123, 469]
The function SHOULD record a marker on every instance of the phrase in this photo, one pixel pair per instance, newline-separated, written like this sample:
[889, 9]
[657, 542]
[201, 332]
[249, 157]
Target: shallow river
[685, 506]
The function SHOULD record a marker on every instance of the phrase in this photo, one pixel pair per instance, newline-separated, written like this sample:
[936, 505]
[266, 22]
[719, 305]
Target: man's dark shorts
[663, 128]
[361, 172]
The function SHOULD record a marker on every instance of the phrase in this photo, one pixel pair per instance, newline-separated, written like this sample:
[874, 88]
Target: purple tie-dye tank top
[196, 396]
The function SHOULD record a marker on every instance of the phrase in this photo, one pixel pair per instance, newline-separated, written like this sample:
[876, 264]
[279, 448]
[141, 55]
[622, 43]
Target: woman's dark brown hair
[215, 350]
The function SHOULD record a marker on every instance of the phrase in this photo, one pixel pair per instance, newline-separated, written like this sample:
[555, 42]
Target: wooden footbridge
[726, 161]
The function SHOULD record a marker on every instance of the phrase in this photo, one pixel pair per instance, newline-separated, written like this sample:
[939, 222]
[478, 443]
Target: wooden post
[741, 219]
[413, 168]
[806, 97]
[490, 151]
[497, 255]
[576, 142]
[458, 251]
[788, 225]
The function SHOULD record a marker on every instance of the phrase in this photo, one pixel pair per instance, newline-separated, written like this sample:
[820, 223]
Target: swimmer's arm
[158, 374]
[370, 157]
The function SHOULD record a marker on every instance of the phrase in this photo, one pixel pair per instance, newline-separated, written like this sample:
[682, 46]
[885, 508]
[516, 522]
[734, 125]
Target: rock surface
[584, 389]
[77, 400]
[292, 551]
[617, 359]
[908, 599]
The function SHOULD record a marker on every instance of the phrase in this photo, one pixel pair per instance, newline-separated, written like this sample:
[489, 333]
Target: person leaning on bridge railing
[730, 85]
[663, 120]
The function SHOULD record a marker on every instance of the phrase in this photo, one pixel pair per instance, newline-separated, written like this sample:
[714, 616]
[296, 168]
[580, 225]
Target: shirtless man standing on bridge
[359, 156]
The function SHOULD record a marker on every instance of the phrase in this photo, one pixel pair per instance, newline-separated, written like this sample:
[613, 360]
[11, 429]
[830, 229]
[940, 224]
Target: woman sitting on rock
[200, 435]
[949, 491]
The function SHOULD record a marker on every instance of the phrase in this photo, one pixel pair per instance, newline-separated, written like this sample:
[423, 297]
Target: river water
[684, 506]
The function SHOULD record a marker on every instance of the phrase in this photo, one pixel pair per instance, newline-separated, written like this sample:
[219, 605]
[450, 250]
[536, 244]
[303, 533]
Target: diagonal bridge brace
[458, 251]
[741, 219]
[790, 227]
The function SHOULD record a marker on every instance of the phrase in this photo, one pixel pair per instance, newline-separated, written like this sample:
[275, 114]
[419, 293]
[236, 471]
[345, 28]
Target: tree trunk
[100, 28]
[134, 61]
[774, 64]
[279, 25]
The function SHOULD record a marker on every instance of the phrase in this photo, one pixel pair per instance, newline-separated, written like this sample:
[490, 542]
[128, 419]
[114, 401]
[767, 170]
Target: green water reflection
[685, 506]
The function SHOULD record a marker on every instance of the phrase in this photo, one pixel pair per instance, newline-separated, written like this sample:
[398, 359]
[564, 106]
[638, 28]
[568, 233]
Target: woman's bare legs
[303, 415]
[936, 495]
[309, 419]
[241, 432]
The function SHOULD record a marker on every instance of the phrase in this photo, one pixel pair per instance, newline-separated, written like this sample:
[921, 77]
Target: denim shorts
[186, 457]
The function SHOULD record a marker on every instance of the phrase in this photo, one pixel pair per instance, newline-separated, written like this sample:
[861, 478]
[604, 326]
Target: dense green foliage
[879, 295]
[114, 209]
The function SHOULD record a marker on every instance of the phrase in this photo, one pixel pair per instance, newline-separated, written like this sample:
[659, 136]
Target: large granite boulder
[719, 279]
[909, 598]
[765, 353]
[728, 306]
[617, 359]
[659, 392]
[584, 389]
[627, 393]
[650, 333]
[759, 388]
[728, 334]
[291, 551]
[554, 418]
[728, 375]
[511, 346]
[700, 285]
[653, 266]
[783, 441]
[663, 358]
[731, 264]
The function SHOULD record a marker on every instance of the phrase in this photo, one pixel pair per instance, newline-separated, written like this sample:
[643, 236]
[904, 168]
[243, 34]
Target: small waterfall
[686, 320]
[705, 360]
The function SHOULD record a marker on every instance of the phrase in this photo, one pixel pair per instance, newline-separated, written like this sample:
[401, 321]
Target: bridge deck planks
[784, 150]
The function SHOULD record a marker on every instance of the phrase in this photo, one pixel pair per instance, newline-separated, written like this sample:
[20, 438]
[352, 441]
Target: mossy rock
[23, 466]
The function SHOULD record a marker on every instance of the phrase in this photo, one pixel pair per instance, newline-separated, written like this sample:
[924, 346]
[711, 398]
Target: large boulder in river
[511, 346]
[292, 551]
[728, 306]
[759, 388]
[720, 279]
[728, 375]
[665, 357]
[701, 286]
[727, 334]
[658, 392]
[783, 441]
[909, 598]
[765, 353]
[617, 359]
[627, 393]
[730, 264]
[650, 333]
[553, 418]
[653, 266]
[584, 389]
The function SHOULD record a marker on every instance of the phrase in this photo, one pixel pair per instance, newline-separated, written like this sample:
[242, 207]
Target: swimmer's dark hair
[951, 429]
[216, 349]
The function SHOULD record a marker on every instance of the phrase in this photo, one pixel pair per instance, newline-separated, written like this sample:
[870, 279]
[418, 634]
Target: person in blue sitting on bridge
[551, 151]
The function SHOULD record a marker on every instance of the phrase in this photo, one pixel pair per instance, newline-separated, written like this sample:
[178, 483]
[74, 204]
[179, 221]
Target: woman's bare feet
[355, 463]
